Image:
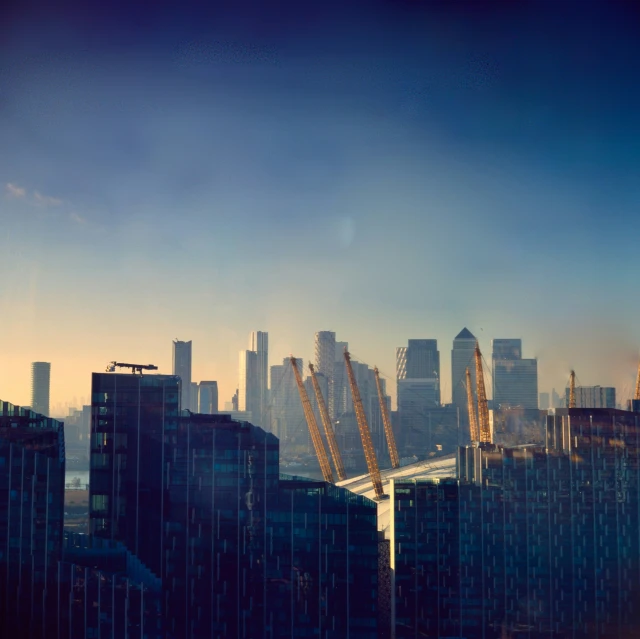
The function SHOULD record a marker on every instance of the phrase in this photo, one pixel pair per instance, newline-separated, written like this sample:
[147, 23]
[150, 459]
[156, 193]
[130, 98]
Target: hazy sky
[389, 173]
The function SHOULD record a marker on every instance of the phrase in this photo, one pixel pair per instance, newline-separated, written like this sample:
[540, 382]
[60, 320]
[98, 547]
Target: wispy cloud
[46, 200]
[13, 190]
[78, 219]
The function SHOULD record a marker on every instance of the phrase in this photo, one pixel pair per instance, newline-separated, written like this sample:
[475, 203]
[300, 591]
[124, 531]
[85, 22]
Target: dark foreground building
[529, 542]
[31, 517]
[239, 551]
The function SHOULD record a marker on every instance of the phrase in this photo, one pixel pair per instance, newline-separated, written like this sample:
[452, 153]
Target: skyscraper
[182, 368]
[325, 353]
[420, 359]
[40, 383]
[259, 343]
[248, 392]
[286, 413]
[341, 392]
[515, 380]
[462, 356]
[133, 418]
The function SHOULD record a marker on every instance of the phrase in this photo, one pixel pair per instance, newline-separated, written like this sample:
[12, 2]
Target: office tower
[593, 397]
[325, 579]
[218, 546]
[208, 398]
[541, 541]
[287, 415]
[248, 391]
[462, 356]
[31, 517]
[416, 399]
[515, 380]
[259, 343]
[133, 419]
[341, 392]
[544, 401]
[40, 383]
[182, 368]
[325, 355]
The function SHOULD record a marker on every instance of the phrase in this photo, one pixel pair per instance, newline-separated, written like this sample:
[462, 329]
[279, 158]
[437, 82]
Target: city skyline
[228, 381]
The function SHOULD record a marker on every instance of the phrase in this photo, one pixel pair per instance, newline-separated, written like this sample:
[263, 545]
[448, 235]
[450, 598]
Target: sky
[390, 170]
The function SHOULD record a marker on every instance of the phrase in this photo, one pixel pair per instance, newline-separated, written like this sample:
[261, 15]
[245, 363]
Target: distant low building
[593, 397]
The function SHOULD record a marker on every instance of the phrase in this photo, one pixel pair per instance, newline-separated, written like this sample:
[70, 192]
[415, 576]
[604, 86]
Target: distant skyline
[387, 171]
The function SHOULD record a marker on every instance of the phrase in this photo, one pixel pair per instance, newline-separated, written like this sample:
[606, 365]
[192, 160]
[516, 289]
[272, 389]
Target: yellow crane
[328, 428]
[388, 431]
[572, 389]
[313, 425]
[365, 433]
[483, 406]
[473, 419]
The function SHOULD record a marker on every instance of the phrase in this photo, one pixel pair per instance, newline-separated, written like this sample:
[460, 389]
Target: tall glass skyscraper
[134, 418]
[181, 359]
[40, 385]
[325, 356]
[462, 356]
[259, 344]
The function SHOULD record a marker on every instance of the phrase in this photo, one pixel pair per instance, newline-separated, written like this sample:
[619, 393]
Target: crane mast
[313, 425]
[388, 431]
[473, 418]
[483, 407]
[572, 389]
[365, 433]
[328, 429]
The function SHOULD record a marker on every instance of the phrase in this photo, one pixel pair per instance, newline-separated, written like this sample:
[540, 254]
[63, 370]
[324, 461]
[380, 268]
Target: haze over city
[388, 172]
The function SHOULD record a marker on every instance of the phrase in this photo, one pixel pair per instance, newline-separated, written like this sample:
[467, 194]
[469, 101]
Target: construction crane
[473, 418]
[365, 433]
[388, 431]
[572, 389]
[483, 407]
[328, 428]
[313, 425]
[135, 368]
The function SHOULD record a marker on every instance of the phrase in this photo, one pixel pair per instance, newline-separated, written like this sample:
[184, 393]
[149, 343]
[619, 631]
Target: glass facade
[222, 477]
[530, 541]
[134, 419]
[31, 516]
[323, 574]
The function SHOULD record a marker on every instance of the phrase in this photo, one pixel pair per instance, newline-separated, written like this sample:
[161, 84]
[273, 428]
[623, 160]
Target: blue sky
[394, 172]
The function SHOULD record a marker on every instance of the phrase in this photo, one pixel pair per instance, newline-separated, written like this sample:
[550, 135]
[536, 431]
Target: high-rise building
[593, 397]
[325, 355]
[515, 380]
[182, 368]
[133, 419]
[208, 398]
[40, 384]
[524, 541]
[286, 413]
[248, 391]
[218, 547]
[462, 357]
[259, 344]
[31, 517]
